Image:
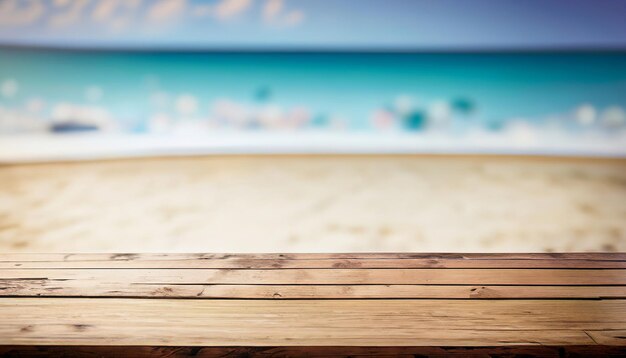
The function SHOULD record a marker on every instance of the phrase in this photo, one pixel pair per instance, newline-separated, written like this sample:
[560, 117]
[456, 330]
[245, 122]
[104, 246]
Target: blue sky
[342, 24]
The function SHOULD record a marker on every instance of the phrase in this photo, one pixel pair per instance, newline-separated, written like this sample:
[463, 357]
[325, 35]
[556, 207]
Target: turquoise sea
[138, 92]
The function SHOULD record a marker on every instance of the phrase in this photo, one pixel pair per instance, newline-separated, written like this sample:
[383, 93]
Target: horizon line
[313, 49]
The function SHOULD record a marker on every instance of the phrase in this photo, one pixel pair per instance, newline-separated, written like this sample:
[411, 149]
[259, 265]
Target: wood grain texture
[113, 321]
[38, 288]
[400, 276]
[306, 304]
[328, 261]
[312, 352]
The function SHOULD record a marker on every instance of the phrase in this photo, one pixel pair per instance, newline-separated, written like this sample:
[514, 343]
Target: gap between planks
[298, 256]
[45, 288]
[313, 352]
[267, 264]
[329, 261]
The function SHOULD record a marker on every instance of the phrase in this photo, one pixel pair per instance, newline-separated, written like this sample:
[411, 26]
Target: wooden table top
[312, 304]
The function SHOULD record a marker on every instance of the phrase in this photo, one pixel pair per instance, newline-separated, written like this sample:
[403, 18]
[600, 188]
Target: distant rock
[72, 126]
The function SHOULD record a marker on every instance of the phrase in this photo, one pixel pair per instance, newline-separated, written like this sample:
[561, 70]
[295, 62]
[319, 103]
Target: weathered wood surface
[574, 303]
[329, 261]
[312, 352]
[141, 321]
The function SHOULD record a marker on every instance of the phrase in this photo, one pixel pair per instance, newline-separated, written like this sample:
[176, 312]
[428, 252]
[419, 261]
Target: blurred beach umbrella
[414, 121]
[464, 106]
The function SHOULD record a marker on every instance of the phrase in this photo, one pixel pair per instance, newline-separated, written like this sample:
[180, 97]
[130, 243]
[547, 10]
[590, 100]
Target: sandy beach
[315, 204]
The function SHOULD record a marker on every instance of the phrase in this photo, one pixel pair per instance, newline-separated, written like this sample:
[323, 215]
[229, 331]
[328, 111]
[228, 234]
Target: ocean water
[444, 94]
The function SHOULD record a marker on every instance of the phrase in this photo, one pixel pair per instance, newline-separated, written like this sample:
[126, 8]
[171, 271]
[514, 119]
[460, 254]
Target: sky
[315, 24]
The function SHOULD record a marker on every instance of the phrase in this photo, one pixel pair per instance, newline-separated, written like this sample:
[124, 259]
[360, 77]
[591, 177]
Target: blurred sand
[315, 204]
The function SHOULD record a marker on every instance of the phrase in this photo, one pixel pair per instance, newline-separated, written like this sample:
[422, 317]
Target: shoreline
[59, 148]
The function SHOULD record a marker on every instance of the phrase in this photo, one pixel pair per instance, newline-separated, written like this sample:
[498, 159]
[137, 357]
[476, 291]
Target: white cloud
[131, 4]
[105, 9]
[166, 10]
[227, 9]
[116, 15]
[61, 3]
[271, 9]
[294, 18]
[9, 88]
[11, 14]
[70, 14]
[201, 10]
[119, 23]
[274, 14]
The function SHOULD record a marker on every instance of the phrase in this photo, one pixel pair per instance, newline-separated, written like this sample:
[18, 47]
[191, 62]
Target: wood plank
[313, 300]
[114, 321]
[608, 337]
[329, 261]
[312, 352]
[50, 257]
[38, 288]
[240, 263]
[322, 276]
